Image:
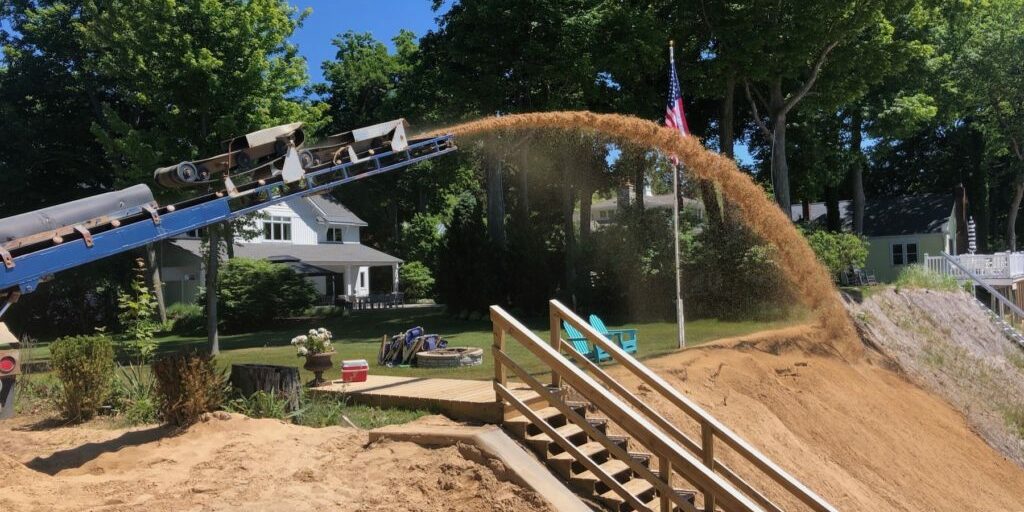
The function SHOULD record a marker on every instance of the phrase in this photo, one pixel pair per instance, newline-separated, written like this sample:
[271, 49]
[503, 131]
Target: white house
[317, 236]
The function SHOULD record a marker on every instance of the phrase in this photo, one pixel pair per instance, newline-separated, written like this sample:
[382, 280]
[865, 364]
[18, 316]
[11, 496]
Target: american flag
[675, 116]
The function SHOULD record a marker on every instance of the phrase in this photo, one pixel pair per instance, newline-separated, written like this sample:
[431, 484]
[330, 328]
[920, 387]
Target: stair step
[642, 458]
[564, 464]
[638, 487]
[689, 496]
[589, 482]
[542, 443]
[520, 426]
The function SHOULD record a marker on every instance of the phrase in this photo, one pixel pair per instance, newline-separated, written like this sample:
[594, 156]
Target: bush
[134, 396]
[188, 384]
[838, 251]
[260, 404]
[417, 283]
[137, 316]
[253, 293]
[85, 367]
[187, 318]
[917, 276]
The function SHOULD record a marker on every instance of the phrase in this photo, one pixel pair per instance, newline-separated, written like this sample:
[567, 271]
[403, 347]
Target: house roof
[333, 257]
[333, 211]
[890, 216]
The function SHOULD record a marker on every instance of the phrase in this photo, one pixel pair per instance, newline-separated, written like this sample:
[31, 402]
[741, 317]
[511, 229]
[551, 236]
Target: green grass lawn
[358, 335]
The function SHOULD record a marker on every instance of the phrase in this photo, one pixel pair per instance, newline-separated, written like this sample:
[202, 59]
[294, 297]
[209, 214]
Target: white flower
[303, 351]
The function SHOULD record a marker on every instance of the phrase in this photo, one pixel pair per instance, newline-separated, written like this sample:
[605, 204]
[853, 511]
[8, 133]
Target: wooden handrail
[710, 427]
[685, 463]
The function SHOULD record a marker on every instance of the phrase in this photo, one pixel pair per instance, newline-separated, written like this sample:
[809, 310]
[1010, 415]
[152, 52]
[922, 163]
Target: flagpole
[680, 327]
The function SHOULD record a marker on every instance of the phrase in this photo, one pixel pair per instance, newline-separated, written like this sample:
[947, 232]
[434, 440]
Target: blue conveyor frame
[32, 267]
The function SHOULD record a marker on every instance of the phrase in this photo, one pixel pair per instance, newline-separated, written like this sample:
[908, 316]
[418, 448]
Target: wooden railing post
[556, 342]
[500, 373]
[707, 436]
[665, 472]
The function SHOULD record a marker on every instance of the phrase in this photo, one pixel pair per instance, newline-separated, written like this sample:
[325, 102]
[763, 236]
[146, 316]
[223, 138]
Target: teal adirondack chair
[583, 346]
[626, 338]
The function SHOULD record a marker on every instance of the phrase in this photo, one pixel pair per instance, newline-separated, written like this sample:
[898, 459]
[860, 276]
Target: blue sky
[381, 18]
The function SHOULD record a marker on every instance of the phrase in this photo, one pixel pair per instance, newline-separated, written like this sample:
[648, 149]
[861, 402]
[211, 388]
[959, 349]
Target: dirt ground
[857, 433]
[235, 463]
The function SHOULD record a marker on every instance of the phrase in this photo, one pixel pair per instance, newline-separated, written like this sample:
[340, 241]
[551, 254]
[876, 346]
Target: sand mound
[231, 462]
[858, 434]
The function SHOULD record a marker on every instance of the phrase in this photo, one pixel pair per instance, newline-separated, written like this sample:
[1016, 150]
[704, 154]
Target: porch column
[350, 280]
[394, 278]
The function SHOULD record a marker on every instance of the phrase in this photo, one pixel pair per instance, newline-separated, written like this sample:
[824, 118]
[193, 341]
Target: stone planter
[318, 364]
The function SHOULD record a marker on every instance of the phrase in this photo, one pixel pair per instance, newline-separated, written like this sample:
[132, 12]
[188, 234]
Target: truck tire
[8, 390]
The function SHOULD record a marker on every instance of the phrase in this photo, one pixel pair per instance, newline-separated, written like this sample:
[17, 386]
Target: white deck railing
[1001, 265]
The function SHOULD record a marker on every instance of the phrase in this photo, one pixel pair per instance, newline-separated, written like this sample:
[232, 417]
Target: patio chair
[626, 338]
[582, 345]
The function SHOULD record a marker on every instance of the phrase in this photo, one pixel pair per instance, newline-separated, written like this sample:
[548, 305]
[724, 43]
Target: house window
[604, 214]
[277, 228]
[362, 280]
[196, 233]
[904, 254]
[334, 235]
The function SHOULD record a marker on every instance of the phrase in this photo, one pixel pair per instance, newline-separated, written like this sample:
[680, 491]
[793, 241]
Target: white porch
[999, 269]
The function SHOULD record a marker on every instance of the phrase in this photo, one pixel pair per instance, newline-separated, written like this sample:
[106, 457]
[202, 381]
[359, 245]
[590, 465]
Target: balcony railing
[1001, 265]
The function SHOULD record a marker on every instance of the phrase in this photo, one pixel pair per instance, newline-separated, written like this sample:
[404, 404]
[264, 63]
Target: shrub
[417, 283]
[838, 251]
[186, 318]
[260, 404]
[252, 293]
[134, 396]
[188, 384]
[137, 311]
[85, 367]
[918, 276]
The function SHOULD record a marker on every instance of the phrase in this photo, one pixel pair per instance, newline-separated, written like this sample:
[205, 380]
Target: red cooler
[354, 370]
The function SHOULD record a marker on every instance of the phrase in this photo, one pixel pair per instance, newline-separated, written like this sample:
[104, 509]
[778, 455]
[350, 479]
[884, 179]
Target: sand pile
[235, 463]
[858, 434]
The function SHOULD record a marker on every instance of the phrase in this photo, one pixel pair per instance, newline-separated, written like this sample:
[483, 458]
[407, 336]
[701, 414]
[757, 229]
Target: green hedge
[254, 293]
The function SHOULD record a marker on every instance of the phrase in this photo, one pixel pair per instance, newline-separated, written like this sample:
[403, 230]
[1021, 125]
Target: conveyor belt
[23, 268]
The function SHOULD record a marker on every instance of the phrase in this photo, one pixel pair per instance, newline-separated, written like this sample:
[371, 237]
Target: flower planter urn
[318, 364]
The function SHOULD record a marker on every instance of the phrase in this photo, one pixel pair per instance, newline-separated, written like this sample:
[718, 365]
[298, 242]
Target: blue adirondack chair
[626, 338]
[583, 346]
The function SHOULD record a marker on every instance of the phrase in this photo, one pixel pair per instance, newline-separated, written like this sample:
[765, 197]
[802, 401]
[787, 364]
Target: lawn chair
[626, 338]
[583, 346]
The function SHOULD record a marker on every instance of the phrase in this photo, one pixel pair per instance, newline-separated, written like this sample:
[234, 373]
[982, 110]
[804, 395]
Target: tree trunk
[568, 206]
[726, 135]
[640, 178]
[834, 220]
[586, 202]
[495, 202]
[1011, 218]
[229, 240]
[524, 185]
[857, 170]
[212, 264]
[709, 196]
[155, 281]
[780, 166]
[280, 381]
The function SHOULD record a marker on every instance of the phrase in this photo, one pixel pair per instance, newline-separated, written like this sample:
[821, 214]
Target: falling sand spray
[795, 258]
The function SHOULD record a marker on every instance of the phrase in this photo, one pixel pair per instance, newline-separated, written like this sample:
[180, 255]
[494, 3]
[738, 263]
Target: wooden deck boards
[459, 399]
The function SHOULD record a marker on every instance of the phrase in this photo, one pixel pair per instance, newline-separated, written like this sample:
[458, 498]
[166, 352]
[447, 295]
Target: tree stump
[282, 381]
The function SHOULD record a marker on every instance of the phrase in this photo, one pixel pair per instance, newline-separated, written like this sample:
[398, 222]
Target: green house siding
[880, 252]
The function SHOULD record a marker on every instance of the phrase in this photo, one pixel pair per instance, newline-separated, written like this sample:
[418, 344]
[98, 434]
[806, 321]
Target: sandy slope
[235, 463]
[857, 433]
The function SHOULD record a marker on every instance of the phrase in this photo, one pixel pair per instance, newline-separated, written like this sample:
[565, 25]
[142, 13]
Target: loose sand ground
[236, 463]
[857, 433]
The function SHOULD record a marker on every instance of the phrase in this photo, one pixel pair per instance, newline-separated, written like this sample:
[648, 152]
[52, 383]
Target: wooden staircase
[630, 457]
[580, 479]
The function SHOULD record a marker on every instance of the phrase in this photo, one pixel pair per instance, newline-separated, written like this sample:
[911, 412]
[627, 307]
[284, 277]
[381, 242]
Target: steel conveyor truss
[22, 269]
